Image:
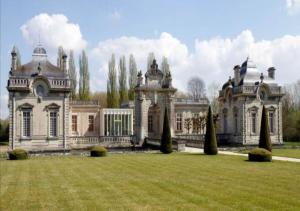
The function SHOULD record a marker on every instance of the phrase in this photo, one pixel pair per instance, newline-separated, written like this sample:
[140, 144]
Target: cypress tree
[132, 77]
[166, 139]
[72, 72]
[84, 83]
[264, 136]
[210, 143]
[112, 88]
[123, 90]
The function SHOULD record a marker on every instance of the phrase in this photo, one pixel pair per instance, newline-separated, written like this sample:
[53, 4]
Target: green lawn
[291, 153]
[283, 152]
[149, 182]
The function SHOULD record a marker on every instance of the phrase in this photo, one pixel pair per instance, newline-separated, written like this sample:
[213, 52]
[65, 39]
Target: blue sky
[200, 34]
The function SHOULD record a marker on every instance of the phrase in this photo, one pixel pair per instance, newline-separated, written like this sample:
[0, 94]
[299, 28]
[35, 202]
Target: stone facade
[38, 103]
[42, 116]
[241, 100]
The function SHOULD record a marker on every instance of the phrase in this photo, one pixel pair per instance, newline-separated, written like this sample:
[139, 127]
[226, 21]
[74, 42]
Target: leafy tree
[150, 59]
[166, 139]
[264, 136]
[84, 82]
[112, 89]
[60, 54]
[291, 112]
[132, 76]
[210, 143]
[73, 76]
[101, 97]
[123, 90]
[196, 88]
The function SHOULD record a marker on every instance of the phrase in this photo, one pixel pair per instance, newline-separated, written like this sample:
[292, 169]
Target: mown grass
[149, 182]
[291, 153]
[284, 152]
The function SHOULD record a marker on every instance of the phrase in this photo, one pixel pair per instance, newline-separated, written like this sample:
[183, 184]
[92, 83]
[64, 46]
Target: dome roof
[39, 50]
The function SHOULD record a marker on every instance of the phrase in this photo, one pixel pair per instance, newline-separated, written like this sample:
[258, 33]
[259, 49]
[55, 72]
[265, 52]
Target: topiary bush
[260, 154]
[98, 151]
[166, 139]
[264, 136]
[210, 142]
[18, 154]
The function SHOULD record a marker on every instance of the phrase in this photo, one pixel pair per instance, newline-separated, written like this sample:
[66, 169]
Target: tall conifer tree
[264, 136]
[84, 83]
[123, 90]
[112, 88]
[73, 76]
[132, 77]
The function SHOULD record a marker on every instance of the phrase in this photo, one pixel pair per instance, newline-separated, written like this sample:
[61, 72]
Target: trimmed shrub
[264, 136]
[98, 151]
[210, 143]
[166, 139]
[18, 154]
[260, 154]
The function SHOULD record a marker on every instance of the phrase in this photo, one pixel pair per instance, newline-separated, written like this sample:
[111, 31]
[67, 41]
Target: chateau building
[42, 115]
[241, 100]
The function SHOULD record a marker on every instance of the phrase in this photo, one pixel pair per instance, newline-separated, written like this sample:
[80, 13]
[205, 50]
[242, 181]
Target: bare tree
[188, 123]
[212, 94]
[196, 88]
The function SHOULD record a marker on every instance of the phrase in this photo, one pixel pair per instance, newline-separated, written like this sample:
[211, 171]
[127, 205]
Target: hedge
[18, 154]
[260, 154]
[98, 151]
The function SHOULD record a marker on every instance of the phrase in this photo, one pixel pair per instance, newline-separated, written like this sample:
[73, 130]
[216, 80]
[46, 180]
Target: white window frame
[30, 123]
[179, 121]
[74, 115]
[56, 124]
[89, 124]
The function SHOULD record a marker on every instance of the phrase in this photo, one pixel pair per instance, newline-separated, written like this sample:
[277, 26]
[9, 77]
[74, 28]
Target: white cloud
[115, 15]
[53, 30]
[211, 59]
[293, 6]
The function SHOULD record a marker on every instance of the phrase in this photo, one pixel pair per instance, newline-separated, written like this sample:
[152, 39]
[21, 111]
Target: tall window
[150, 123]
[74, 123]
[53, 124]
[225, 120]
[271, 121]
[253, 122]
[179, 121]
[91, 123]
[26, 124]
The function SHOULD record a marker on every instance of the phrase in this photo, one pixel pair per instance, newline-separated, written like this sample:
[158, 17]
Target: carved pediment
[52, 106]
[25, 106]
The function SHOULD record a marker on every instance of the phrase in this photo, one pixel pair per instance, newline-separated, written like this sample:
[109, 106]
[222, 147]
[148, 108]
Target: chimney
[271, 72]
[236, 74]
[13, 59]
[64, 67]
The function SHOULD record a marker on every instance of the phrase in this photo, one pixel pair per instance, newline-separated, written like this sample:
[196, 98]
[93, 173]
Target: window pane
[26, 124]
[91, 123]
[53, 124]
[74, 123]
